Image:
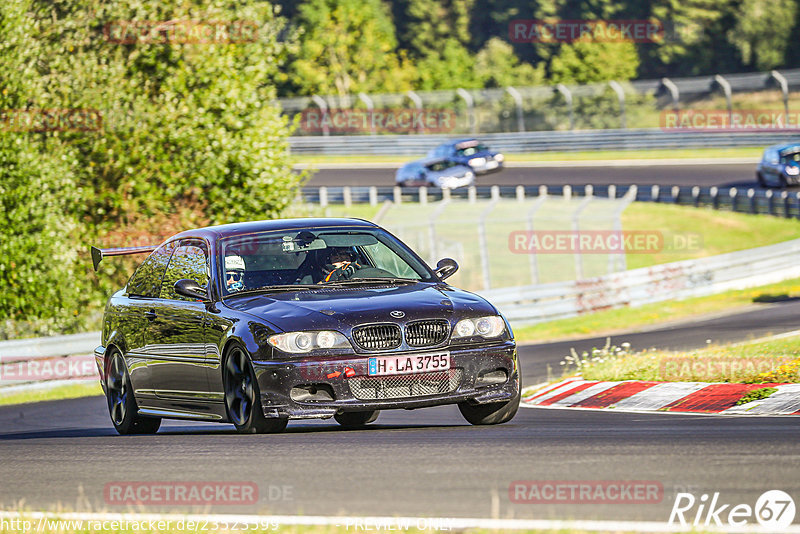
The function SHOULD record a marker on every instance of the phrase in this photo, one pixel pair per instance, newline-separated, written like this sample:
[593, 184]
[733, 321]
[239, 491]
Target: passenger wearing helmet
[341, 264]
[234, 273]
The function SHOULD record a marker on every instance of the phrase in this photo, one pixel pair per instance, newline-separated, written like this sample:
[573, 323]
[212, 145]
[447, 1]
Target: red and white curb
[678, 397]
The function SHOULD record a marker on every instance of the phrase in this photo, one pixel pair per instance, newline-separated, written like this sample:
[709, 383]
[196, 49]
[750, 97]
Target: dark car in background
[435, 172]
[779, 166]
[258, 323]
[472, 153]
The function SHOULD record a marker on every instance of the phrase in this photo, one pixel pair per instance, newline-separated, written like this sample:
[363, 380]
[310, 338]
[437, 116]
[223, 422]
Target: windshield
[292, 259]
[471, 150]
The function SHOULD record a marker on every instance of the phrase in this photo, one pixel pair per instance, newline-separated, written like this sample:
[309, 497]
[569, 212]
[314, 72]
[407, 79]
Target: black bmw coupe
[261, 322]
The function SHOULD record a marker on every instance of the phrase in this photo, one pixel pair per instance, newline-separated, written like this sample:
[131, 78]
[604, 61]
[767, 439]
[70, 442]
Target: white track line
[366, 524]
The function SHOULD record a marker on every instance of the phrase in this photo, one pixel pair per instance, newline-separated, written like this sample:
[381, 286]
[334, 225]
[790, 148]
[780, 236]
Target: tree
[348, 46]
[496, 65]
[588, 62]
[763, 31]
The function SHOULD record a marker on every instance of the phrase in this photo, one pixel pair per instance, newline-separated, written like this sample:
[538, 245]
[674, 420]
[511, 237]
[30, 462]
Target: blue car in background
[435, 172]
[780, 166]
[472, 153]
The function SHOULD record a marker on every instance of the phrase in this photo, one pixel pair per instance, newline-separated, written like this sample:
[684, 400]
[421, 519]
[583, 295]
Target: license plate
[409, 363]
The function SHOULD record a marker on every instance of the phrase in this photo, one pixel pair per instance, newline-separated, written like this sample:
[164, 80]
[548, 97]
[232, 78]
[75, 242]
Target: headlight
[298, 342]
[476, 162]
[490, 326]
[499, 158]
[793, 171]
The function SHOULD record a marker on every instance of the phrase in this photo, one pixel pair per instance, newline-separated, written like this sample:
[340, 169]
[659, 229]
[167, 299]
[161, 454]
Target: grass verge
[630, 319]
[66, 391]
[755, 362]
[705, 153]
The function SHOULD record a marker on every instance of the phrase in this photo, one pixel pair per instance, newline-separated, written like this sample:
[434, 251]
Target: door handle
[150, 315]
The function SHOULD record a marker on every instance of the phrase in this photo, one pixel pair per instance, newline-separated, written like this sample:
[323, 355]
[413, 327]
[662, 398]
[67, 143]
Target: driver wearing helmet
[234, 273]
[341, 265]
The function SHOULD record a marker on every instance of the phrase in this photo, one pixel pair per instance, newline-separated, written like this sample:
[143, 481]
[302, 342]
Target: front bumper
[342, 379]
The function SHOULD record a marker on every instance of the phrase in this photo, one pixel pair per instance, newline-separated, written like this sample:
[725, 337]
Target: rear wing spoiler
[99, 253]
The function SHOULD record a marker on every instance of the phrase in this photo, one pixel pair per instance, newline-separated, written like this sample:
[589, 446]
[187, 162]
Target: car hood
[340, 309]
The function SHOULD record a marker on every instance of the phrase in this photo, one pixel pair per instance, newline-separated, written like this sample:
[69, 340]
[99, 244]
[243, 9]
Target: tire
[493, 413]
[356, 419]
[242, 396]
[122, 405]
[760, 179]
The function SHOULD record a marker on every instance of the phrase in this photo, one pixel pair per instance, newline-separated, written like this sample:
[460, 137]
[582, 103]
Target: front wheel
[493, 413]
[356, 419]
[242, 396]
[121, 403]
[760, 179]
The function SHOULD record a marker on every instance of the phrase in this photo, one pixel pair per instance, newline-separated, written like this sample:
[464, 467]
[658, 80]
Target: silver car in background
[435, 172]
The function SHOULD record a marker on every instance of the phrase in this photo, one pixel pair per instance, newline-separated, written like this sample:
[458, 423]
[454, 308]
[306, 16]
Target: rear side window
[188, 261]
[146, 281]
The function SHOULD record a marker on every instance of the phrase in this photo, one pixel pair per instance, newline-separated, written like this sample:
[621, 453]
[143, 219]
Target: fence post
[733, 192]
[472, 194]
[323, 107]
[784, 86]
[414, 97]
[495, 191]
[674, 94]
[676, 193]
[567, 192]
[621, 98]
[588, 190]
[797, 198]
[714, 192]
[347, 195]
[696, 196]
[483, 242]
[423, 195]
[612, 191]
[373, 196]
[726, 90]
[323, 197]
[370, 108]
[397, 193]
[529, 222]
[751, 194]
[520, 193]
[446, 194]
[518, 102]
[576, 229]
[655, 192]
[468, 100]
[561, 88]
[768, 194]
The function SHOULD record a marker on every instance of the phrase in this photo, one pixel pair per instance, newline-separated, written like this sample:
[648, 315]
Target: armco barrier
[779, 203]
[521, 142]
[531, 304]
[689, 278]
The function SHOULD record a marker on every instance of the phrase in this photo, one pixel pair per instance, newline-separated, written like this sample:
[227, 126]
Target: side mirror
[191, 289]
[446, 268]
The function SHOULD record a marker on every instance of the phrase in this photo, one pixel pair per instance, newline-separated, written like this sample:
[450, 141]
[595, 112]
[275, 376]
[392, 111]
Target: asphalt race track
[419, 463]
[728, 175]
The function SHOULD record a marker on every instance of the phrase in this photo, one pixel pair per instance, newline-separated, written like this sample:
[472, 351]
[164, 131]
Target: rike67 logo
[773, 510]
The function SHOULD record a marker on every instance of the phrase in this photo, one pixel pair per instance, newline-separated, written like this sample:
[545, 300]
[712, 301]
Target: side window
[189, 261]
[146, 281]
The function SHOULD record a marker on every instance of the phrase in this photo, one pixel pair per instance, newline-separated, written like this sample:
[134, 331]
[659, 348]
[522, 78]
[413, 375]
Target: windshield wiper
[273, 289]
[374, 280]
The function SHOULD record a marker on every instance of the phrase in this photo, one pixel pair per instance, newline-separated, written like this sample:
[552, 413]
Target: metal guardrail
[779, 203]
[689, 278]
[543, 141]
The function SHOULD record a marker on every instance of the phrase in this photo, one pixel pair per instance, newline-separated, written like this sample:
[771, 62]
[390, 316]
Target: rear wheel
[121, 403]
[356, 419]
[242, 396]
[493, 413]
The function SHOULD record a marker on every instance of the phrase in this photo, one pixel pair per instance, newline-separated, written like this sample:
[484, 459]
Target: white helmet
[234, 263]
